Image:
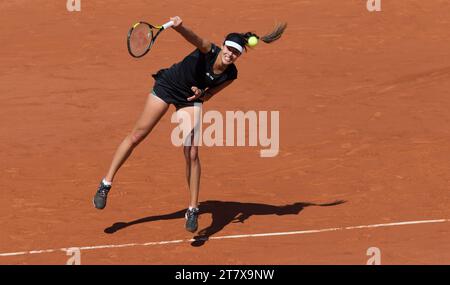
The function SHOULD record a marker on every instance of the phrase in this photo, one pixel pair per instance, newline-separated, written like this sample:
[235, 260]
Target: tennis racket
[142, 36]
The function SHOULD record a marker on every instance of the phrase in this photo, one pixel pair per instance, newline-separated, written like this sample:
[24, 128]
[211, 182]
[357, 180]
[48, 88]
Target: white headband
[235, 45]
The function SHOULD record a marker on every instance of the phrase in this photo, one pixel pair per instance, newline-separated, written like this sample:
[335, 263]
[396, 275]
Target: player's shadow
[224, 213]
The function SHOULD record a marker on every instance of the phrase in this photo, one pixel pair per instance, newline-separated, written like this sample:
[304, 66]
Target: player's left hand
[197, 93]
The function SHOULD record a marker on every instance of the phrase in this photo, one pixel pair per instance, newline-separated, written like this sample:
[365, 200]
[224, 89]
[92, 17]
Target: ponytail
[275, 34]
[242, 39]
[270, 37]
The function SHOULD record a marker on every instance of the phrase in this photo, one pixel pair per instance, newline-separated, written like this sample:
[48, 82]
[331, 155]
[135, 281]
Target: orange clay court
[364, 136]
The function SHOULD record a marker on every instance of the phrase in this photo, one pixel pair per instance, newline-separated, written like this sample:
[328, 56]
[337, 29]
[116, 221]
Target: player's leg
[187, 156]
[193, 173]
[154, 109]
[193, 168]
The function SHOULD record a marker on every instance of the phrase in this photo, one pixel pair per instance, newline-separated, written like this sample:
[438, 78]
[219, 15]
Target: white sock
[190, 208]
[107, 183]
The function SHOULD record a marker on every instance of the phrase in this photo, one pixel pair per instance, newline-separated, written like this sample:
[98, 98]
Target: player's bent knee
[137, 136]
[186, 152]
[194, 153]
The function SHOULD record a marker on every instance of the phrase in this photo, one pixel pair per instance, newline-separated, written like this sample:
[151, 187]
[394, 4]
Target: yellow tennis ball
[252, 41]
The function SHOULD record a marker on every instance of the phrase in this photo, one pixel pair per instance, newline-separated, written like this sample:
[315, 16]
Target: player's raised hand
[177, 21]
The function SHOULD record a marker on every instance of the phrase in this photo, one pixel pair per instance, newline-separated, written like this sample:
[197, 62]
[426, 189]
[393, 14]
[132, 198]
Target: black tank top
[196, 69]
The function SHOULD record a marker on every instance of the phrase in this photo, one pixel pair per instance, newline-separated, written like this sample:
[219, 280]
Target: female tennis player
[186, 85]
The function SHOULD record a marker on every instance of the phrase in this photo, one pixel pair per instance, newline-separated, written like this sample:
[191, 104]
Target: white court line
[229, 237]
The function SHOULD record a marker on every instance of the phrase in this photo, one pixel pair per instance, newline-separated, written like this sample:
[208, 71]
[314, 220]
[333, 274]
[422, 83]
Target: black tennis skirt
[162, 90]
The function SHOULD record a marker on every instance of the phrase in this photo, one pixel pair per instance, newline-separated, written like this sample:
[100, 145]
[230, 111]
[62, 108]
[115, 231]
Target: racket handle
[168, 25]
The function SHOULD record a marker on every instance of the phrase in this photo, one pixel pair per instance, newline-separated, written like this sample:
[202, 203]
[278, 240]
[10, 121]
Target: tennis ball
[252, 41]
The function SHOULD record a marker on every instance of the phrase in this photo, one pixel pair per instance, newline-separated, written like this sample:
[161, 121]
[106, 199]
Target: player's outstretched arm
[202, 44]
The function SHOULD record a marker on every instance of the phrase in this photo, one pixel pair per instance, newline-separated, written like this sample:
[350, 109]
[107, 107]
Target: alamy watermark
[73, 5]
[374, 5]
[221, 130]
[75, 256]
[375, 256]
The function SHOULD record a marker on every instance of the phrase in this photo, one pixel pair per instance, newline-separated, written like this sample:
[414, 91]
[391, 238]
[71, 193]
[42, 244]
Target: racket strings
[140, 39]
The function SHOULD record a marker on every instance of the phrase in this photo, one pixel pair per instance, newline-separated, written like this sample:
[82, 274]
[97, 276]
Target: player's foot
[191, 219]
[101, 196]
